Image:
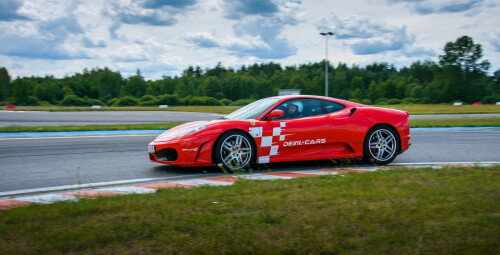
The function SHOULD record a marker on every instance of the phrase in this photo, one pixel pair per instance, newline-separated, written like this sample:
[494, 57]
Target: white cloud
[165, 37]
[127, 53]
[365, 36]
[495, 39]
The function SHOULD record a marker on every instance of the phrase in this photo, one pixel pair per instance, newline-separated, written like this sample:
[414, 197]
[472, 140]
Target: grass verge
[445, 109]
[412, 109]
[412, 211]
[456, 122]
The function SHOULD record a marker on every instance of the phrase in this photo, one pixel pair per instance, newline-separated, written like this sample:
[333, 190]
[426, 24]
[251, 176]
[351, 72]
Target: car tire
[234, 150]
[381, 145]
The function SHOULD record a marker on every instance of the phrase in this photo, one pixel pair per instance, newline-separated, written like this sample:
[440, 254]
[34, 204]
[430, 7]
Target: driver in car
[293, 112]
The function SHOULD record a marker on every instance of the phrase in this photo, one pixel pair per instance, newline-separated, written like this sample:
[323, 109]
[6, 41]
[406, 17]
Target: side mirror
[275, 114]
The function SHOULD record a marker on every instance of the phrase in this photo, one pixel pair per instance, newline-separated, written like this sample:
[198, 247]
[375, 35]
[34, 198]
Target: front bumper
[195, 151]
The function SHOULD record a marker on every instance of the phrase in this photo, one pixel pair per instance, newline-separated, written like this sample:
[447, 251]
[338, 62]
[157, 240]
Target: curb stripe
[344, 170]
[315, 172]
[291, 174]
[199, 182]
[91, 193]
[7, 204]
[261, 177]
[128, 190]
[164, 185]
[222, 179]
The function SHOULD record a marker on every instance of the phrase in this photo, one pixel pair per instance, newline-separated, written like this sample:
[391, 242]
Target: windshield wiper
[222, 118]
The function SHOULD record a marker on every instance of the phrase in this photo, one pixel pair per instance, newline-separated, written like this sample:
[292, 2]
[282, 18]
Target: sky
[164, 37]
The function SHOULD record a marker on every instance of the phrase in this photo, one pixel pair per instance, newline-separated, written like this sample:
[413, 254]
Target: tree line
[460, 75]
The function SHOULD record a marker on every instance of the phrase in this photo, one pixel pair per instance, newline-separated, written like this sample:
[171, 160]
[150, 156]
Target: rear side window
[329, 106]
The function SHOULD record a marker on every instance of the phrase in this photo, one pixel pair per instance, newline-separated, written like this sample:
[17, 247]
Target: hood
[176, 132]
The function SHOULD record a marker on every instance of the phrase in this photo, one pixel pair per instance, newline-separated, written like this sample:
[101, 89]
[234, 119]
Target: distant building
[289, 92]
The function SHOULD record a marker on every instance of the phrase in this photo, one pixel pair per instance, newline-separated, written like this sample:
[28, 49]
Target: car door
[295, 135]
[344, 139]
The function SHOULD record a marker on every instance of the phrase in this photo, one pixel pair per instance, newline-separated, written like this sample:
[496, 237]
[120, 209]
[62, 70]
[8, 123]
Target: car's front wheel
[381, 145]
[234, 150]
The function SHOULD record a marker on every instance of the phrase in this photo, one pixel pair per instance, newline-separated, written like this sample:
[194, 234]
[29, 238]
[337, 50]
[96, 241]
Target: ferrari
[286, 128]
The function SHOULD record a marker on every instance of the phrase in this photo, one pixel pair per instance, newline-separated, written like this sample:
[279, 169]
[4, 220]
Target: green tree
[372, 91]
[464, 54]
[417, 92]
[357, 83]
[181, 89]
[47, 91]
[22, 89]
[67, 91]
[136, 85]
[210, 87]
[357, 94]
[5, 86]
[107, 83]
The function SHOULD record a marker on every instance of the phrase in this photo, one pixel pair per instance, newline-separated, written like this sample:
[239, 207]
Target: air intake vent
[353, 110]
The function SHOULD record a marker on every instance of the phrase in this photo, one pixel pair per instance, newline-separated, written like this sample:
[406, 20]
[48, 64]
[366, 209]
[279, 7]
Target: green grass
[456, 122]
[412, 109]
[14, 129]
[445, 109]
[419, 211]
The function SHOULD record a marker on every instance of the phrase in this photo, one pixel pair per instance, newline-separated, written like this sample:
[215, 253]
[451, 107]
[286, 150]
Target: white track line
[315, 172]
[199, 182]
[128, 190]
[261, 177]
[47, 198]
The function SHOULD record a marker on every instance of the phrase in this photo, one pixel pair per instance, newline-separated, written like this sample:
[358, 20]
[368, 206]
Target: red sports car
[287, 128]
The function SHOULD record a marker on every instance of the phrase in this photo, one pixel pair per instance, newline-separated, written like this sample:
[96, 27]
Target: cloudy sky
[163, 37]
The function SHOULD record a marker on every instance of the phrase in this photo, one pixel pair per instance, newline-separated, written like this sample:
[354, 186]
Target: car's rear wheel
[381, 145]
[234, 150]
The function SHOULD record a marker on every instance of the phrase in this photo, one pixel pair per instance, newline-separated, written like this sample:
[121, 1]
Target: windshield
[252, 110]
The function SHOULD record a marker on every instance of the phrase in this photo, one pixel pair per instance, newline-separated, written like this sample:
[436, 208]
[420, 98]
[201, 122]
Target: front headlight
[188, 132]
[151, 149]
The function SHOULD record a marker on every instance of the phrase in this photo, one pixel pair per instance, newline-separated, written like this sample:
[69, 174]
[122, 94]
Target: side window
[299, 108]
[329, 106]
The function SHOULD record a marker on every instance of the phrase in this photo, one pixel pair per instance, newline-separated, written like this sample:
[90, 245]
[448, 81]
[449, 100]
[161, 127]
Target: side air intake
[353, 110]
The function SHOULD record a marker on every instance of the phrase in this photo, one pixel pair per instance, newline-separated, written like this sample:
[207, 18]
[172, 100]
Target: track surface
[41, 118]
[37, 162]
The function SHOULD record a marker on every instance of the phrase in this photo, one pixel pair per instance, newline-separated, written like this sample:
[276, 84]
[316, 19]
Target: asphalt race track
[47, 161]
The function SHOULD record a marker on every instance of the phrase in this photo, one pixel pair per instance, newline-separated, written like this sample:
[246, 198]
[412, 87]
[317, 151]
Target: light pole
[326, 59]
